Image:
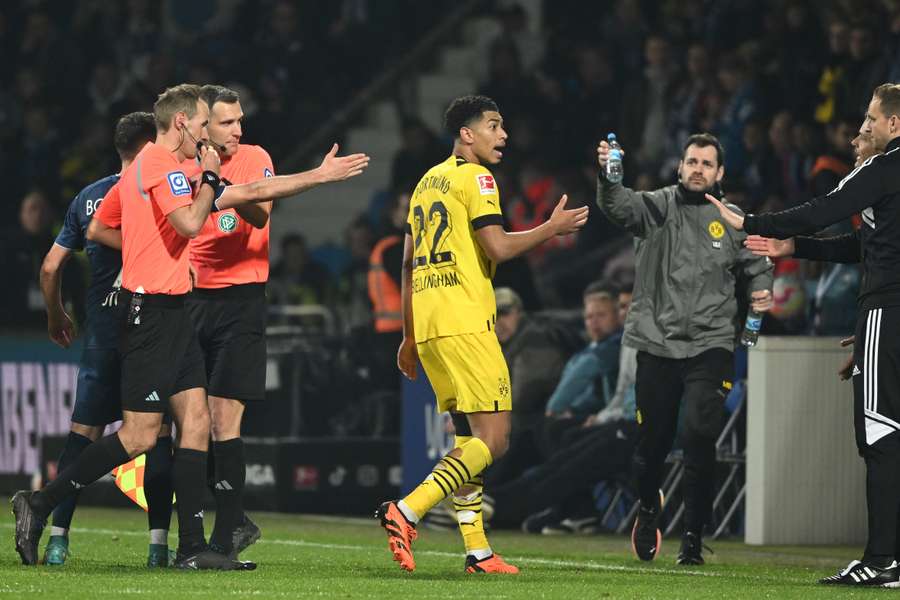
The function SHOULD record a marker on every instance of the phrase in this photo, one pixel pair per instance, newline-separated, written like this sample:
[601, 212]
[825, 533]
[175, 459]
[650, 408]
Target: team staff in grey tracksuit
[682, 325]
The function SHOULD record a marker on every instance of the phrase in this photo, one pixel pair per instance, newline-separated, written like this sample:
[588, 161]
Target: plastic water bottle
[751, 328]
[614, 170]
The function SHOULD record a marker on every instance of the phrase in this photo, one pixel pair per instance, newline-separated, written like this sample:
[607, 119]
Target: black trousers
[701, 383]
[876, 403]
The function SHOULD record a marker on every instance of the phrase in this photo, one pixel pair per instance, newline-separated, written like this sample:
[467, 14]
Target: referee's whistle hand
[209, 159]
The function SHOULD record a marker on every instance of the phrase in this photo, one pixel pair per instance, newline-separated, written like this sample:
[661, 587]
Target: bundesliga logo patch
[178, 183]
[486, 184]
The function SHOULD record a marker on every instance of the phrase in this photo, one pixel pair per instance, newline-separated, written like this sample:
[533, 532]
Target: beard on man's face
[697, 184]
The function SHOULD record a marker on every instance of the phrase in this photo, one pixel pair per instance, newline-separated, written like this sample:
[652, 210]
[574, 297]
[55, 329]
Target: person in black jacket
[872, 189]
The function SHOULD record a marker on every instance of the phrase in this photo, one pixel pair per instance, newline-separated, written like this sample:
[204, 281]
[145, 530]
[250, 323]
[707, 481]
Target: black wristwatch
[210, 178]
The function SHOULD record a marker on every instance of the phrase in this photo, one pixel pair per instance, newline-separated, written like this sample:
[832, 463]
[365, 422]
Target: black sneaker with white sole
[29, 527]
[205, 558]
[858, 573]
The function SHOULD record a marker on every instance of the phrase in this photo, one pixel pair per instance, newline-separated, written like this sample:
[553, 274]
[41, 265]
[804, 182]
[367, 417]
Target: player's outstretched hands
[60, 328]
[763, 246]
[568, 221]
[209, 159]
[408, 358]
[338, 168]
[732, 218]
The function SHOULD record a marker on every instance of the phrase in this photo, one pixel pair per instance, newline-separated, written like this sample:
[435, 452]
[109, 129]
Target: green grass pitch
[333, 557]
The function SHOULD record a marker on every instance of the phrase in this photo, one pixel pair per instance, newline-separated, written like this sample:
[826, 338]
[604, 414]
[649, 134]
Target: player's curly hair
[133, 131]
[464, 110]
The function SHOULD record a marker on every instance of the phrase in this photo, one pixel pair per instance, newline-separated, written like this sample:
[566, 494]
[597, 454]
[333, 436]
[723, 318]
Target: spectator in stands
[589, 377]
[741, 105]
[535, 348]
[688, 102]
[39, 158]
[647, 106]
[297, 278]
[385, 265]
[557, 493]
[835, 70]
[21, 253]
[420, 151]
[591, 115]
[865, 70]
[353, 278]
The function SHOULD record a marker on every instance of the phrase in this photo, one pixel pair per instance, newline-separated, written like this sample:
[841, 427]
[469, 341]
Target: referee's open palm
[338, 168]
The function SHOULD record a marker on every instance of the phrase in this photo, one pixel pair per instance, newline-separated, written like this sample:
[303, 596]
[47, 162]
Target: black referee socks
[158, 484]
[75, 445]
[188, 474]
[93, 463]
[230, 474]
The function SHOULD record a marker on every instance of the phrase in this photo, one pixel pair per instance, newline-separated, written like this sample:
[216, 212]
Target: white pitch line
[572, 564]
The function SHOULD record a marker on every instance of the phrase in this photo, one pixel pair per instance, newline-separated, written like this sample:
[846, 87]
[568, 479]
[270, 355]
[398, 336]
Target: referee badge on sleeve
[179, 184]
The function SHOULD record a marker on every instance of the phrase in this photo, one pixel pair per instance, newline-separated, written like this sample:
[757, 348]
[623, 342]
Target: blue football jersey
[102, 328]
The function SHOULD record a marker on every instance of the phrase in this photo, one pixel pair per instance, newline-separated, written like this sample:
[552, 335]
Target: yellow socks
[468, 512]
[450, 474]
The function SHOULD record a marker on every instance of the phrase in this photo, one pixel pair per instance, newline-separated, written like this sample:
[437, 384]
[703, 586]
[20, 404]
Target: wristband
[210, 178]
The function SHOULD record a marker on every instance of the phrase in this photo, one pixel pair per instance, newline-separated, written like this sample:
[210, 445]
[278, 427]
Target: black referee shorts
[231, 328]
[159, 350]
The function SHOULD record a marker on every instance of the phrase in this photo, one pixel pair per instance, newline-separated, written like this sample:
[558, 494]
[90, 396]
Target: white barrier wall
[805, 479]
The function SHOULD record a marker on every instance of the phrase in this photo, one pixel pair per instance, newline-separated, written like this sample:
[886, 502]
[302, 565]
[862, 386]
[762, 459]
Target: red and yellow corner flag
[130, 479]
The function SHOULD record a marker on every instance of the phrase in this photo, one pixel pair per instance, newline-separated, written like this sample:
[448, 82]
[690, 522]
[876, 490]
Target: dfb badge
[227, 222]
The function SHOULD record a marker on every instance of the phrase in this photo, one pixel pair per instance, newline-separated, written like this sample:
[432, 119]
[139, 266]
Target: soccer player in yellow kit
[453, 242]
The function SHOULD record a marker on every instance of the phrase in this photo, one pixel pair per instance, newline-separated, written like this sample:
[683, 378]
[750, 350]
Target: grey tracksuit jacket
[687, 261]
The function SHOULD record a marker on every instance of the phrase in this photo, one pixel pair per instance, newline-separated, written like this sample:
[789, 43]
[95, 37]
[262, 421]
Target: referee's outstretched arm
[333, 168]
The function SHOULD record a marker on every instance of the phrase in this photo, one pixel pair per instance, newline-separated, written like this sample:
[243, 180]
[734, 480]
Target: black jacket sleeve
[840, 248]
[859, 190]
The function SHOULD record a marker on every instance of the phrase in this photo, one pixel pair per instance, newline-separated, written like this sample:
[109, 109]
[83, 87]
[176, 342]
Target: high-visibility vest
[384, 292]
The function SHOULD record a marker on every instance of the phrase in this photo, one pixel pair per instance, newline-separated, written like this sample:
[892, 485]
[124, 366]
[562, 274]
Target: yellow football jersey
[451, 280]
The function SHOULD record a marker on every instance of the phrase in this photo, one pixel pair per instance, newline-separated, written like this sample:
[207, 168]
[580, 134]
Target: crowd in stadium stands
[70, 69]
[784, 87]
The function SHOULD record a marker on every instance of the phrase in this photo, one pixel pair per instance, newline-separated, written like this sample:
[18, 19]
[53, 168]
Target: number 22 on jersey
[431, 235]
